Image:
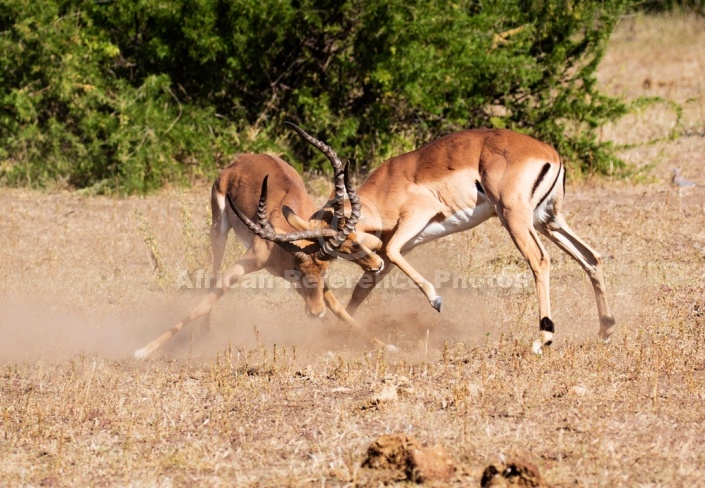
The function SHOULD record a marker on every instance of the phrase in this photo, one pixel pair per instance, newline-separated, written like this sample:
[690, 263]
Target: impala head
[309, 268]
[345, 242]
[309, 280]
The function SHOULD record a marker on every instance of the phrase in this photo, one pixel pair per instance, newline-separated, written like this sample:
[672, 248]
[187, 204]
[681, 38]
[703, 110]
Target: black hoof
[438, 303]
[547, 325]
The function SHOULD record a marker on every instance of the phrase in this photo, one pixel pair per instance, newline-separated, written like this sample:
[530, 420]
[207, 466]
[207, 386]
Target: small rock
[514, 472]
[430, 464]
[578, 391]
[387, 394]
[405, 455]
[392, 387]
[390, 452]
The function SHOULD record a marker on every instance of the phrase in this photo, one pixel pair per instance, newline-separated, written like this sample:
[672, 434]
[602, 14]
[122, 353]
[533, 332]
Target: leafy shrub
[66, 117]
[696, 6]
[129, 96]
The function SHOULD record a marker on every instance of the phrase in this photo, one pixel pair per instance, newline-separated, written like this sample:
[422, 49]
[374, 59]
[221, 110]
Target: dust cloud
[49, 330]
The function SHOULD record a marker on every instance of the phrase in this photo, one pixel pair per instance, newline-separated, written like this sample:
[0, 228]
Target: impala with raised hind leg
[458, 182]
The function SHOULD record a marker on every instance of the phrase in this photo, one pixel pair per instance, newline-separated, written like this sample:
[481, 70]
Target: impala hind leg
[247, 264]
[521, 229]
[219, 239]
[563, 236]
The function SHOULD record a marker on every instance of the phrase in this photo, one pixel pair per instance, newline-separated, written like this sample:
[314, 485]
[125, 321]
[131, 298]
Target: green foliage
[696, 6]
[129, 96]
[66, 117]
[528, 66]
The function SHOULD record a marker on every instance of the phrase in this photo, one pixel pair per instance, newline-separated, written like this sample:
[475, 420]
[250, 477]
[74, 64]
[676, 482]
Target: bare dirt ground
[271, 398]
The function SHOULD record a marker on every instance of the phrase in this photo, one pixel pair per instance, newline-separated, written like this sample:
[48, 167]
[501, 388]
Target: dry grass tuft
[273, 399]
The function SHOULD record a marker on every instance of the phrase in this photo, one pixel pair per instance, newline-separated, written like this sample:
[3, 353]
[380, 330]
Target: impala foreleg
[407, 229]
[561, 234]
[424, 285]
[521, 229]
[367, 282]
[239, 269]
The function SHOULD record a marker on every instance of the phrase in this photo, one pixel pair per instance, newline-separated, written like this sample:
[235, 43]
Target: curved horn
[338, 168]
[262, 219]
[349, 226]
[264, 229]
[355, 207]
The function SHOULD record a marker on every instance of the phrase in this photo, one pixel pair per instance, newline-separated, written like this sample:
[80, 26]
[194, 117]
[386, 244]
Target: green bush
[696, 6]
[67, 118]
[129, 96]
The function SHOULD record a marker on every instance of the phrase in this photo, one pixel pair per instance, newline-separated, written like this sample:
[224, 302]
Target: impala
[302, 257]
[454, 184]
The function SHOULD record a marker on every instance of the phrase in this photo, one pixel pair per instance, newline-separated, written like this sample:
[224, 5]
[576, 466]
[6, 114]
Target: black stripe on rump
[479, 187]
[564, 172]
[542, 175]
[552, 187]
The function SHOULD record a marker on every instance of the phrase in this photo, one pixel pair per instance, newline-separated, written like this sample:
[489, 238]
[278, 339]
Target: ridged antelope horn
[338, 168]
[342, 181]
[355, 207]
[263, 228]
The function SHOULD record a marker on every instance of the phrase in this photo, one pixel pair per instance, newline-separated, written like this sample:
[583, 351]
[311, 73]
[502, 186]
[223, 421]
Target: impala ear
[294, 220]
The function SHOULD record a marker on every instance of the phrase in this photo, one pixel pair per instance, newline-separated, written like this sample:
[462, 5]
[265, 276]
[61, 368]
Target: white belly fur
[462, 220]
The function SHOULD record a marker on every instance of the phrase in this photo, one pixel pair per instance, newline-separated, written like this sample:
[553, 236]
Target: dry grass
[273, 399]
[659, 57]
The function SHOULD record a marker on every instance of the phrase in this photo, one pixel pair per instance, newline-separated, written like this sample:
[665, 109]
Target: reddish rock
[406, 456]
[430, 464]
